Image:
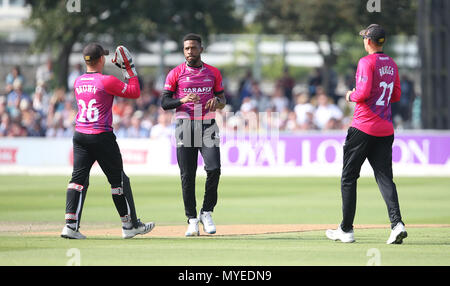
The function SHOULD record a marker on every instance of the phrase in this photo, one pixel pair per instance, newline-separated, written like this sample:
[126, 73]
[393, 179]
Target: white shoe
[398, 233]
[207, 221]
[142, 228]
[339, 234]
[193, 227]
[67, 232]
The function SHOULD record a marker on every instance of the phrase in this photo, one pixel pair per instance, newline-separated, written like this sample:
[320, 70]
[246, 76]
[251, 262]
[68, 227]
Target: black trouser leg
[187, 161]
[211, 156]
[110, 160]
[193, 136]
[79, 183]
[355, 153]
[380, 158]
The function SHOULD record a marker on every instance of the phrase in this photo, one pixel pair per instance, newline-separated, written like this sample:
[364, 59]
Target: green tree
[57, 29]
[327, 20]
[122, 22]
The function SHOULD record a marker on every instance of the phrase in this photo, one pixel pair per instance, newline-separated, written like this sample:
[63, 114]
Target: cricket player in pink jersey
[195, 90]
[371, 135]
[94, 140]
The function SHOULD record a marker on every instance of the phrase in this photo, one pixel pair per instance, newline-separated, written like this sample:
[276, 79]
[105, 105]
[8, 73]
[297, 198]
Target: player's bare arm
[347, 95]
[192, 97]
[218, 102]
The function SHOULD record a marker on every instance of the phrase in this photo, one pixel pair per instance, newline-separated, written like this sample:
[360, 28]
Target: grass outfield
[40, 201]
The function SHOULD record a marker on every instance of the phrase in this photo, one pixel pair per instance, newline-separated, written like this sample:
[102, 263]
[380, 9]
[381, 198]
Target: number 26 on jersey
[89, 113]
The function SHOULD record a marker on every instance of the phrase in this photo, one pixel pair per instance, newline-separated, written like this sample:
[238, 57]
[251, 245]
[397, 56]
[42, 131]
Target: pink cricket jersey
[204, 81]
[377, 86]
[95, 94]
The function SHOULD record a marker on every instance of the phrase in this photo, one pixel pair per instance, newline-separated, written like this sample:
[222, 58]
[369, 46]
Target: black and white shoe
[398, 233]
[142, 228]
[67, 232]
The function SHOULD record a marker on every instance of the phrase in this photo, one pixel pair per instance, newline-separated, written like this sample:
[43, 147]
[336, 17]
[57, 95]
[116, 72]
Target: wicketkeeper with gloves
[94, 140]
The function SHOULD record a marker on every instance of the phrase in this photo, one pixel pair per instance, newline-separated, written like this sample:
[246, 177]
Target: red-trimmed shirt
[377, 86]
[95, 94]
[205, 81]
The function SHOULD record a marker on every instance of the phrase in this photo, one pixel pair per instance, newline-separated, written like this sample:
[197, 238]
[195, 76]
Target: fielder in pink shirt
[195, 90]
[371, 135]
[94, 140]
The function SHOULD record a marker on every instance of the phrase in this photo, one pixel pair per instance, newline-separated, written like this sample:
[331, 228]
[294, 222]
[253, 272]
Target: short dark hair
[192, 37]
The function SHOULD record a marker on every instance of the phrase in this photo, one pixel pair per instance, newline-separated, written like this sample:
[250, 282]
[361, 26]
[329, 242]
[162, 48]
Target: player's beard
[193, 61]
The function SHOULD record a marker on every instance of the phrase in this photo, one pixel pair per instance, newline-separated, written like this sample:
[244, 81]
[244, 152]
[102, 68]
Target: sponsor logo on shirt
[197, 89]
[362, 78]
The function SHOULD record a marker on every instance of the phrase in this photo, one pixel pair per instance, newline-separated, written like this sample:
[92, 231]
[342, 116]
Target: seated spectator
[279, 101]
[14, 75]
[16, 130]
[290, 123]
[44, 73]
[78, 70]
[249, 105]
[286, 83]
[15, 97]
[165, 128]
[56, 128]
[5, 124]
[327, 115]
[135, 130]
[304, 110]
[3, 108]
[314, 81]
[40, 100]
[69, 113]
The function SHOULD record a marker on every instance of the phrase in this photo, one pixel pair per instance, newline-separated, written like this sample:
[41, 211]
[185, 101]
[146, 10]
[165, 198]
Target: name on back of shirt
[386, 70]
[86, 88]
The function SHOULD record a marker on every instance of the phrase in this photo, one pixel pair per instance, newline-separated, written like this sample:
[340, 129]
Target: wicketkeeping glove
[122, 59]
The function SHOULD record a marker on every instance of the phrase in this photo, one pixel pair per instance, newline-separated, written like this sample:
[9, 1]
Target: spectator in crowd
[15, 97]
[44, 73]
[14, 75]
[304, 111]
[260, 100]
[135, 130]
[51, 112]
[286, 83]
[76, 72]
[314, 81]
[350, 78]
[279, 100]
[68, 115]
[291, 123]
[164, 128]
[56, 127]
[245, 87]
[327, 115]
[121, 127]
[332, 85]
[16, 129]
[149, 96]
[5, 118]
[40, 100]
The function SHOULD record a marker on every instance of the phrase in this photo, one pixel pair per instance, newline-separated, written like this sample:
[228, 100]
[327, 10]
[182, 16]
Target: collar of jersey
[191, 69]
